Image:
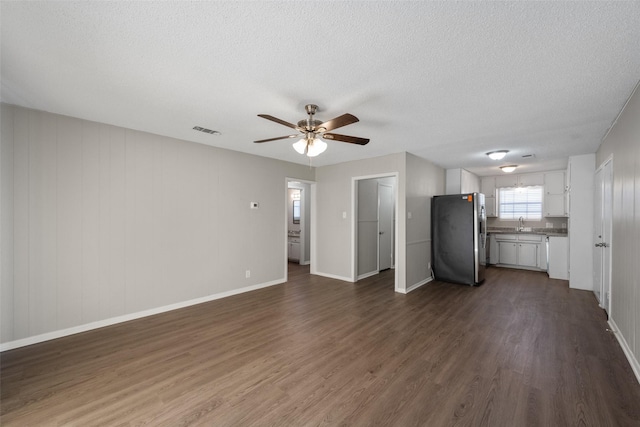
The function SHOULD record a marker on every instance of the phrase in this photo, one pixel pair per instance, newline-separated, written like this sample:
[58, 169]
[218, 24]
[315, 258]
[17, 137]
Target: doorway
[602, 237]
[375, 231]
[299, 203]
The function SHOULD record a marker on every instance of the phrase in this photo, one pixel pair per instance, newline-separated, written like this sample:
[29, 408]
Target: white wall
[418, 180]
[581, 220]
[334, 197]
[424, 180]
[623, 143]
[100, 222]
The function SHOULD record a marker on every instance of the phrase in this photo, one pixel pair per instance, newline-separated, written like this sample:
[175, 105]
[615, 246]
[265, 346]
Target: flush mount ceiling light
[509, 168]
[497, 155]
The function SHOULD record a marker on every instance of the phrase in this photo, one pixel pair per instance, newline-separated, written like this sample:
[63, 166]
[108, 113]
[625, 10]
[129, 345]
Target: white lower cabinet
[294, 250]
[558, 257]
[508, 253]
[528, 254]
[522, 250]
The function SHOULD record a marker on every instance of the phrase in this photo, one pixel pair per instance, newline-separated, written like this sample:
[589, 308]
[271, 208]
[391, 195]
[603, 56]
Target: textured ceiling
[447, 81]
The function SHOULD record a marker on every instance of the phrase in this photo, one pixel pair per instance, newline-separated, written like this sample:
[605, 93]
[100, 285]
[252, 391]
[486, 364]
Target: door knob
[381, 232]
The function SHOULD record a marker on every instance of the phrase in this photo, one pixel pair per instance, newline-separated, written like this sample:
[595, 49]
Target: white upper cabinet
[506, 181]
[555, 199]
[522, 180]
[530, 179]
[461, 181]
[555, 190]
[488, 186]
[554, 182]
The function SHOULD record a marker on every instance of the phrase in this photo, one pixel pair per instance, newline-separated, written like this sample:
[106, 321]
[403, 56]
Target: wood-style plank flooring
[520, 350]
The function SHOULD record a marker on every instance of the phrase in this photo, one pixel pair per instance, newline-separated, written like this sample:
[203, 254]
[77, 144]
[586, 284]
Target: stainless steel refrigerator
[458, 238]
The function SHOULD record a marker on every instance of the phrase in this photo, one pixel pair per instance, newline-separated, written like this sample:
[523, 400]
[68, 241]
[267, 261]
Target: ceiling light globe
[316, 146]
[508, 169]
[300, 146]
[497, 155]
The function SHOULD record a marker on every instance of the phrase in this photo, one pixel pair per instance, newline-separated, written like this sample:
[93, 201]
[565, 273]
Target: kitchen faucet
[520, 224]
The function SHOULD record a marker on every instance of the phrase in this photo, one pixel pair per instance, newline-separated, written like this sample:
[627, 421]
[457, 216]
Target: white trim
[418, 285]
[369, 274]
[127, 317]
[613, 123]
[418, 242]
[335, 276]
[635, 366]
[607, 160]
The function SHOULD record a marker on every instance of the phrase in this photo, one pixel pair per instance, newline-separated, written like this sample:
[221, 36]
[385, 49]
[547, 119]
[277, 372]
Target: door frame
[354, 223]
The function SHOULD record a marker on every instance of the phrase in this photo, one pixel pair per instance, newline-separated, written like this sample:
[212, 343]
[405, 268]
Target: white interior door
[385, 226]
[597, 236]
[602, 235]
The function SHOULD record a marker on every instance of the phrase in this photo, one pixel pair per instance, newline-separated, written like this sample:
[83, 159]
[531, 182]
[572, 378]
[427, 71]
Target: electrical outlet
[344, 215]
[409, 215]
[429, 266]
[247, 274]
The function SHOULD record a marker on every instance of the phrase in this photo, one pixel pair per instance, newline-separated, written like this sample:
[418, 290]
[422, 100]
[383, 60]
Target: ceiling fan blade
[277, 120]
[343, 120]
[280, 137]
[346, 138]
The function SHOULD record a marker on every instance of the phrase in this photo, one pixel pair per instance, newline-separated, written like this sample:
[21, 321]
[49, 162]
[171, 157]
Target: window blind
[516, 202]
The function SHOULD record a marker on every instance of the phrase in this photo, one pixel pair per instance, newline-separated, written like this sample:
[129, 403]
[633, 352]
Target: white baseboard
[635, 366]
[125, 318]
[419, 284]
[365, 275]
[334, 276]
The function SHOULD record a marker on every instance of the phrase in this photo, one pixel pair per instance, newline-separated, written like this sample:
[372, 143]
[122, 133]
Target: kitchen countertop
[560, 232]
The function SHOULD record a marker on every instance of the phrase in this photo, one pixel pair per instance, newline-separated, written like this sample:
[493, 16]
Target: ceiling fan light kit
[497, 155]
[508, 168]
[313, 130]
[310, 147]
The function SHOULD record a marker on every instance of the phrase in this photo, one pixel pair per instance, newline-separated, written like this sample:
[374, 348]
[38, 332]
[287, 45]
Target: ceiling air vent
[528, 156]
[205, 130]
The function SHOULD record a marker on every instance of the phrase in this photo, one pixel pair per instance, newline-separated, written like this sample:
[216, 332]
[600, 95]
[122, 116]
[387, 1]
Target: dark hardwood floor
[520, 350]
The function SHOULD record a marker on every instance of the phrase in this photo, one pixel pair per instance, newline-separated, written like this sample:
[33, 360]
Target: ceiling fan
[311, 130]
